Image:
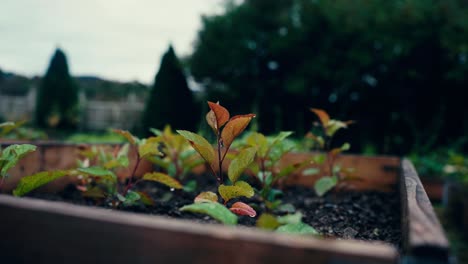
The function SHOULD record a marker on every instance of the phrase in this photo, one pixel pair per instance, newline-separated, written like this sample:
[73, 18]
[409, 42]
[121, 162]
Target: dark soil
[359, 215]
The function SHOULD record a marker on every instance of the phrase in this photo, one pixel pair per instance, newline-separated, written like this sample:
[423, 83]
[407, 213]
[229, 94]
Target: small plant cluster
[177, 154]
[333, 173]
[99, 180]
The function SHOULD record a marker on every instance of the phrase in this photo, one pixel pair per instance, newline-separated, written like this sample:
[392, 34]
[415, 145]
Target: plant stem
[129, 184]
[220, 160]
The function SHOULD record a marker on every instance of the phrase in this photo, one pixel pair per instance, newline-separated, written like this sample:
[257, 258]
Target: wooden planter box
[39, 231]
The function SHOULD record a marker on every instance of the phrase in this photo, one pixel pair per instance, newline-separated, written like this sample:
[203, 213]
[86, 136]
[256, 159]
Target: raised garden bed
[55, 232]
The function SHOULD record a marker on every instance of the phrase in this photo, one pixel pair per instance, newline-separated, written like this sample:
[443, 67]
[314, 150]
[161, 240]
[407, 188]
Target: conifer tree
[170, 100]
[57, 96]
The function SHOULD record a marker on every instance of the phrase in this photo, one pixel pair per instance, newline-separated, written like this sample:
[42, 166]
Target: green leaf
[215, 210]
[149, 147]
[299, 228]
[164, 179]
[267, 221]
[240, 188]
[190, 186]
[290, 218]
[98, 172]
[311, 171]
[258, 140]
[333, 126]
[281, 136]
[200, 144]
[206, 197]
[12, 154]
[286, 208]
[131, 198]
[324, 184]
[29, 183]
[240, 163]
[319, 158]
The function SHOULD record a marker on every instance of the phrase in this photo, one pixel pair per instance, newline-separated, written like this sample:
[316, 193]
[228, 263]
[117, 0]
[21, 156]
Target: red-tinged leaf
[127, 135]
[206, 197]
[322, 115]
[217, 117]
[234, 127]
[240, 208]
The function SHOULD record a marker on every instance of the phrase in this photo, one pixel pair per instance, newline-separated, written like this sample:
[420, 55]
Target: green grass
[108, 137]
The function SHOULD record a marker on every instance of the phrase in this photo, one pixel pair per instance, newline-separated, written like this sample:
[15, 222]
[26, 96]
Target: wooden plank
[424, 234]
[39, 231]
[372, 173]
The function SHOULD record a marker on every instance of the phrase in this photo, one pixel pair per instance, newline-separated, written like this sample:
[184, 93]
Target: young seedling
[178, 158]
[266, 166]
[333, 172]
[226, 129]
[105, 170]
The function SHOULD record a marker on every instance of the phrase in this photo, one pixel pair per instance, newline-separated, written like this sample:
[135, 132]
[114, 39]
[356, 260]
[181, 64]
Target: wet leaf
[200, 144]
[324, 184]
[206, 197]
[121, 161]
[215, 210]
[164, 179]
[299, 228]
[217, 116]
[240, 208]
[11, 155]
[241, 162]
[267, 221]
[240, 189]
[29, 183]
[234, 127]
[322, 115]
[127, 135]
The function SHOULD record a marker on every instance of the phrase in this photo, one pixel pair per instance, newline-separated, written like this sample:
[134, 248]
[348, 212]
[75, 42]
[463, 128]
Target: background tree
[397, 67]
[57, 96]
[170, 100]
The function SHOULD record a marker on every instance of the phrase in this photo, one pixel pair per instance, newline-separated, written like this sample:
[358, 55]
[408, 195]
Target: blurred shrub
[397, 67]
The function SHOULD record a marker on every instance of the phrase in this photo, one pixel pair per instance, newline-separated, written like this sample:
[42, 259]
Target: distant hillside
[93, 87]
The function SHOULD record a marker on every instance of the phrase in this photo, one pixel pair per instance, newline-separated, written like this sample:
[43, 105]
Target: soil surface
[358, 215]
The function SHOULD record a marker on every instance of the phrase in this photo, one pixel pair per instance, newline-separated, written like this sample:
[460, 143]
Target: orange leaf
[234, 127]
[240, 208]
[217, 116]
[322, 115]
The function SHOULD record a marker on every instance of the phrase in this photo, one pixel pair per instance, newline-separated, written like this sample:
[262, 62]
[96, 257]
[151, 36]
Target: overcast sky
[115, 39]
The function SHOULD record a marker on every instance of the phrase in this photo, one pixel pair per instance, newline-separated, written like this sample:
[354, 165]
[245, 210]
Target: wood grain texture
[424, 234]
[370, 173]
[35, 231]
